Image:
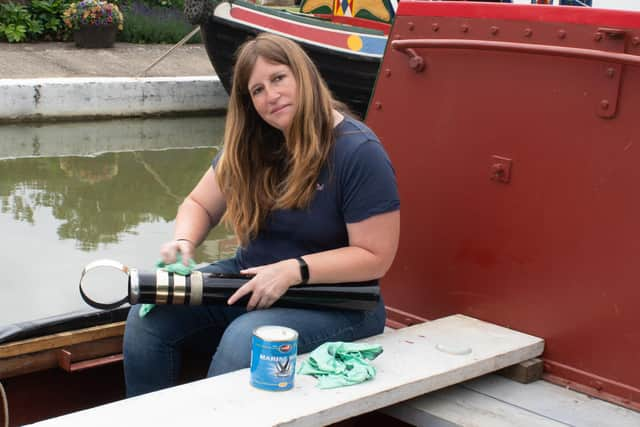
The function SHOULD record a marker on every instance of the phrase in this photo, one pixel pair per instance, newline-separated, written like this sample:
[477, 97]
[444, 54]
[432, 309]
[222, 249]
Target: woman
[312, 198]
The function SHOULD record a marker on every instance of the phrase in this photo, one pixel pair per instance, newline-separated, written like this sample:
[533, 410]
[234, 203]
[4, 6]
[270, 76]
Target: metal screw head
[528, 32]
[378, 105]
[597, 36]
[604, 104]
[464, 28]
[416, 63]
[611, 72]
[387, 72]
[411, 26]
[562, 34]
[435, 27]
[494, 30]
[635, 41]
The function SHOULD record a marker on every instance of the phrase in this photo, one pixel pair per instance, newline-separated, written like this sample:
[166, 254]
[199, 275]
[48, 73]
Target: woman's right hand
[169, 251]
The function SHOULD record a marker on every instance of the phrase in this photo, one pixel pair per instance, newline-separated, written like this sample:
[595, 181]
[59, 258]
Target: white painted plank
[556, 402]
[410, 366]
[460, 406]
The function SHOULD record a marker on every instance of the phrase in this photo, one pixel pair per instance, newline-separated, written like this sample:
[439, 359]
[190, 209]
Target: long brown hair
[261, 168]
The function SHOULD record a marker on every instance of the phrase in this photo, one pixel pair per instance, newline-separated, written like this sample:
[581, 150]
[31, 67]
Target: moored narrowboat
[347, 50]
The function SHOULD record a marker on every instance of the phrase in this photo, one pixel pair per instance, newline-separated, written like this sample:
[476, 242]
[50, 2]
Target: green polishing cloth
[177, 268]
[338, 364]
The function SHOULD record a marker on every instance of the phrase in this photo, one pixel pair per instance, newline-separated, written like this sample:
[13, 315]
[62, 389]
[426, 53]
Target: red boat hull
[513, 131]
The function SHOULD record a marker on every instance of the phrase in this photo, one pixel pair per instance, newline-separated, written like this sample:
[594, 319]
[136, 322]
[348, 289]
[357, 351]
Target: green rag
[338, 364]
[177, 268]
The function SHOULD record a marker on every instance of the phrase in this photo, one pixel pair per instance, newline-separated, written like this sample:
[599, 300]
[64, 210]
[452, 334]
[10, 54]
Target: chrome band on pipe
[134, 286]
[162, 286]
[197, 284]
[179, 288]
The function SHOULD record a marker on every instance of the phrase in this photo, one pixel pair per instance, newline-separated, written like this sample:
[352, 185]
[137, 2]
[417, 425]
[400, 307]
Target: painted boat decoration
[348, 56]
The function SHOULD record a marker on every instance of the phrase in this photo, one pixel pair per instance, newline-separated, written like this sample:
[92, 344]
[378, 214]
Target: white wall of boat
[601, 4]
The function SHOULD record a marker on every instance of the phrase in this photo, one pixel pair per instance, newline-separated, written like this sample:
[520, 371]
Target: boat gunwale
[352, 55]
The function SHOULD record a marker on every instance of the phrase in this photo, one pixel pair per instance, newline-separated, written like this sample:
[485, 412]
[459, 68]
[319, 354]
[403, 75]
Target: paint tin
[273, 357]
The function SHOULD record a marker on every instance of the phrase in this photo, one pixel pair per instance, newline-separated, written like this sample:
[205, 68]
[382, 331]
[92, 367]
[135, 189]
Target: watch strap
[304, 270]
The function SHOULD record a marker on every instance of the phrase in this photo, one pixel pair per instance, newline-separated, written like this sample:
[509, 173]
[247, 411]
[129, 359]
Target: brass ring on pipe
[179, 288]
[162, 286]
[197, 283]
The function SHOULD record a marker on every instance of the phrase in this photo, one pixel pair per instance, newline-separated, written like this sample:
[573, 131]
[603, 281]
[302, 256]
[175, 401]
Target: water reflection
[97, 199]
[59, 212]
[95, 137]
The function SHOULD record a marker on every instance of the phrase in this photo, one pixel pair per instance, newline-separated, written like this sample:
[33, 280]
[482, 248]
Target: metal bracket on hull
[500, 169]
[66, 362]
[416, 62]
[611, 40]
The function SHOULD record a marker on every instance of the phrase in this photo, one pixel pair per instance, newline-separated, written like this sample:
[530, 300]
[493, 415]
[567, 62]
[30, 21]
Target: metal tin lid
[275, 333]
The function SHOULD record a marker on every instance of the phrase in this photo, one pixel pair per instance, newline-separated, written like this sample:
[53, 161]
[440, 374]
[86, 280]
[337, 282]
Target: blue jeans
[153, 345]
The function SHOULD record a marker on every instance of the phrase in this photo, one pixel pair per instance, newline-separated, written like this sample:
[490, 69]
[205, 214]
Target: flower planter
[95, 36]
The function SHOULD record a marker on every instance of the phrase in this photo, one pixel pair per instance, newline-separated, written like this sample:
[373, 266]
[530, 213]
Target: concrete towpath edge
[71, 98]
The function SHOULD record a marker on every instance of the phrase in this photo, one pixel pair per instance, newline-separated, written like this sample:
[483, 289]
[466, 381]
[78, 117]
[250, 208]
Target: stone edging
[82, 97]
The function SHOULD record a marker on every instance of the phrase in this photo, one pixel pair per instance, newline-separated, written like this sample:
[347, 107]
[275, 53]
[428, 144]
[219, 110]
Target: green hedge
[149, 21]
[39, 20]
[144, 23]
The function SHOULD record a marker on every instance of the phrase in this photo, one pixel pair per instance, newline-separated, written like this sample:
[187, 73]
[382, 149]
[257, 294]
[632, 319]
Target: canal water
[72, 193]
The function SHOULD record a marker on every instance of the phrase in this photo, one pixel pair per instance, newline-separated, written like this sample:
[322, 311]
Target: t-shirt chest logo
[319, 187]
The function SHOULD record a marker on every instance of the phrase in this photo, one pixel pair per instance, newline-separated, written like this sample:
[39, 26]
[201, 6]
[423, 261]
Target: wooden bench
[416, 360]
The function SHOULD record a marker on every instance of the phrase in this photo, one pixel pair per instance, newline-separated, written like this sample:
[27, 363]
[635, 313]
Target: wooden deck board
[495, 401]
[61, 339]
[458, 406]
[556, 402]
[410, 366]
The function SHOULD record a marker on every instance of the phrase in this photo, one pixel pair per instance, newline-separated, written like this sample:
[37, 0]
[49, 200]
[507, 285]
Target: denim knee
[234, 349]
[314, 327]
[150, 362]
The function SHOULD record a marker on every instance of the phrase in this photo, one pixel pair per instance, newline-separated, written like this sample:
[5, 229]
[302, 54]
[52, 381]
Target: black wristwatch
[304, 270]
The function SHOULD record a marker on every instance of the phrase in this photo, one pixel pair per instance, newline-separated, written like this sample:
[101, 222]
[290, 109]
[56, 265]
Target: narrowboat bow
[347, 53]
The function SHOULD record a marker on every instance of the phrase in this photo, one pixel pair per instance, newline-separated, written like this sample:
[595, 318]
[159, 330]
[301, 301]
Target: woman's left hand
[270, 283]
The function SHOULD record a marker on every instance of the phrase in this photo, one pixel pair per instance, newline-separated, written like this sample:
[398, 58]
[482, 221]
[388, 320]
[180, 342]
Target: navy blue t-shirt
[358, 182]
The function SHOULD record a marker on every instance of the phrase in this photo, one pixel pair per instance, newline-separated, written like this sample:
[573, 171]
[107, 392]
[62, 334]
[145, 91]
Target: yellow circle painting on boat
[354, 42]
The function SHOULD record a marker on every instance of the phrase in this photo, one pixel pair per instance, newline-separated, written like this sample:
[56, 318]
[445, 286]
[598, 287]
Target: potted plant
[95, 23]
